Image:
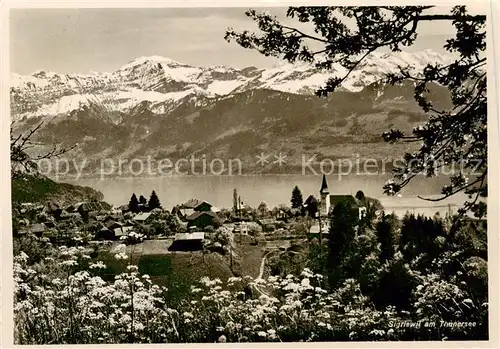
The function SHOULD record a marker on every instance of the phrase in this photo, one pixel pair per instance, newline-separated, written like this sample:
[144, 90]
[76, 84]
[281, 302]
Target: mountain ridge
[165, 83]
[165, 109]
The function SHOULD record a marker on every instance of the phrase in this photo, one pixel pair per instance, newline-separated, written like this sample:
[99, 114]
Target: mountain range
[155, 106]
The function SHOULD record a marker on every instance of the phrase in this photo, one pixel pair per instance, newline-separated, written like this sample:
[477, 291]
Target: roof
[310, 199]
[196, 215]
[65, 214]
[122, 231]
[194, 203]
[324, 186]
[191, 203]
[88, 206]
[52, 206]
[190, 236]
[111, 223]
[142, 216]
[38, 228]
[335, 199]
[266, 221]
[315, 229]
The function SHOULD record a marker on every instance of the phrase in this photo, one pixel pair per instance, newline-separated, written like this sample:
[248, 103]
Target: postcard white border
[6, 284]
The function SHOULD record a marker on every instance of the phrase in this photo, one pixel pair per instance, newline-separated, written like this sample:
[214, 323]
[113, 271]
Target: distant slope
[156, 107]
[41, 189]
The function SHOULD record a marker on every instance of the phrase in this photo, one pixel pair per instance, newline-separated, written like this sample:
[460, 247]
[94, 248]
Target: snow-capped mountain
[164, 84]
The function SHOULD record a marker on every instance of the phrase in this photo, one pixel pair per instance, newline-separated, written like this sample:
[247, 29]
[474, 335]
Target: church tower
[325, 198]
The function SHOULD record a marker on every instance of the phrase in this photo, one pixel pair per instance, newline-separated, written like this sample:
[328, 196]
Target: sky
[86, 40]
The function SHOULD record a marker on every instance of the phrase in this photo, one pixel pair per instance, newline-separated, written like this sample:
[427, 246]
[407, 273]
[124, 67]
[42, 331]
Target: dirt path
[261, 271]
[263, 263]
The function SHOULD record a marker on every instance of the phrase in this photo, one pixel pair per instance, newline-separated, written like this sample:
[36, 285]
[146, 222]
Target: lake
[272, 189]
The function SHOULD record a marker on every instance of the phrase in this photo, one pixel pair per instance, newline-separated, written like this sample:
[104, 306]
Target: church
[328, 201]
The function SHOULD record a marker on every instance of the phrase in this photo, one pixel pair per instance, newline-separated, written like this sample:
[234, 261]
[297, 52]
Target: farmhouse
[122, 231]
[86, 209]
[311, 206]
[143, 217]
[201, 219]
[188, 241]
[52, 209]
[195, 205]
[38, 229]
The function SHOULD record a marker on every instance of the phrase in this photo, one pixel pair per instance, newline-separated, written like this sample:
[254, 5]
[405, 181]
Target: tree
[133, 204]
[143, 200]
[346, 36]
[297, 198]
[369, 215]
[340, 241]
[235, 201]
[22, 163]
[263, 209]
[360, 196]
[154, 201]
[386, 239]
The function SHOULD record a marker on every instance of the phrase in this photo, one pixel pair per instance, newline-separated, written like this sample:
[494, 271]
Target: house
[112, 225]
[104, 233]
[26, 206]
[328, 201]
[123, 209]
[144, 208]
[38, 229]
[187, 208]
[195, 205]
[201, 219]
[107, 233]
[122, 231]
[311, 206]
[143, 217]
[52, 208]
[283, 212]
[87, 209]
[267, 224]
[192, 241]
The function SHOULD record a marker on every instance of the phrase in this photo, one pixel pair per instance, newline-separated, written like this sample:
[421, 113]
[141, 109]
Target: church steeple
[325, 198]
[324, 186]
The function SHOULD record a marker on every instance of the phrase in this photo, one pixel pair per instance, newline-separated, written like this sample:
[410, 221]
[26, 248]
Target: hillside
[160, 108]
[41, 189]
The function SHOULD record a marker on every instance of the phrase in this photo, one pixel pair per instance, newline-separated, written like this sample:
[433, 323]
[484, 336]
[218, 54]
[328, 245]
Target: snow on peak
[151, 59]
[160, 80]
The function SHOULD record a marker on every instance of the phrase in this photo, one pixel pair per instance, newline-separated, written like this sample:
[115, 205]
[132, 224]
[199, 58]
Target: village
[195, 227]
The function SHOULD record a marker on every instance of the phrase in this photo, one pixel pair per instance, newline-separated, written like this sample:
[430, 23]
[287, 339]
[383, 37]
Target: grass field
[249, 256]
[179, 270]
[176, 271]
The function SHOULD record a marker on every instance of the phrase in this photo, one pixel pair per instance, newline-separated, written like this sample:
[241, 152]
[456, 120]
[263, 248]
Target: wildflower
[222, 339]
[121, 255]
[69, 263]
[98, 265]
[262, 334]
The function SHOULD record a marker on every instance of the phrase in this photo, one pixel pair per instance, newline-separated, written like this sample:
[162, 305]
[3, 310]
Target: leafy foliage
[297, 199]
[340, 241]
[154, 201]
[133, 204]
[385, 238]
[457, 135]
